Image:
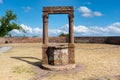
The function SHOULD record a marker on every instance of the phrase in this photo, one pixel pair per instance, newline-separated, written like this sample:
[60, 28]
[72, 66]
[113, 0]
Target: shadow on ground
[43, 72]
[38, 63]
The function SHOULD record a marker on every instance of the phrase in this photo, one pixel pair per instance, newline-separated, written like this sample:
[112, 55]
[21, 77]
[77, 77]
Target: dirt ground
[98, 60]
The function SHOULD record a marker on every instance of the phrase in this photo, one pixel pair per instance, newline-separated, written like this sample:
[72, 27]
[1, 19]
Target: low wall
[109, 40]
[57, 39]
[113, 40]
[90, 39]
[22, 40]
[2, 40]
[31, 40]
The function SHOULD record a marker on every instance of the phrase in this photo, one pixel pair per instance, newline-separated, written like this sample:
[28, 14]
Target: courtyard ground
[98, 60]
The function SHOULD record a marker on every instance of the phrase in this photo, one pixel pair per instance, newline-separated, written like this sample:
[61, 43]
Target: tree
[63, 35]
[7, 23]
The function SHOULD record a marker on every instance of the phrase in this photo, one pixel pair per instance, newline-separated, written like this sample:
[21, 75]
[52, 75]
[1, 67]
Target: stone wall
[109, 40]
[31, 40]
[2, 40]
[57, 39]
[113, 40]
[22, 40]
[90, 39]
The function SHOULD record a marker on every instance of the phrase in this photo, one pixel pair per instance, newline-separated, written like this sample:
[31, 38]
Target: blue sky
[92, 17]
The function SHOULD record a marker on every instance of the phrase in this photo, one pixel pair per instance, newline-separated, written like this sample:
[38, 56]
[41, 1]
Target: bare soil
[94, 62]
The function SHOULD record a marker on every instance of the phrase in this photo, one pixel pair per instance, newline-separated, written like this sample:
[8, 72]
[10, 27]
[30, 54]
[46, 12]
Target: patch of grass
[22, 69]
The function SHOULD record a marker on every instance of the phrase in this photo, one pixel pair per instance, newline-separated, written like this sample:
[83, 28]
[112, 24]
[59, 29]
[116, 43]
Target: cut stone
[58, 57]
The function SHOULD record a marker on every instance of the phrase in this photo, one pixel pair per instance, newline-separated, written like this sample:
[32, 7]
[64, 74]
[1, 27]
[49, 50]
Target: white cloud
[97, 13]
[114, 28]
[111, 30]
[15, 32]
[80, 30]
[29, 31]
[1, 1]
[86, 12]
[64, 29]
[26, 9]
[53, 32]
[87, 15]
[84, 9]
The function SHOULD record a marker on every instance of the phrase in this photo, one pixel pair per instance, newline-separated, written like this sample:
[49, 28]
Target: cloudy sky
[92, 17]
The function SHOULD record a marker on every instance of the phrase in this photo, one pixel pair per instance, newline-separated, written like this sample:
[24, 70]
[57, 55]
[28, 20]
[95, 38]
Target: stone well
[58, 57]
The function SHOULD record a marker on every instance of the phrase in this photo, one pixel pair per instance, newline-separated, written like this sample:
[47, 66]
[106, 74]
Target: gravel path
[4, 49]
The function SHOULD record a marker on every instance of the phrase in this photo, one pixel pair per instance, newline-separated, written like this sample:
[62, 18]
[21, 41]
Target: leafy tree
[7, 23]
[63, 35]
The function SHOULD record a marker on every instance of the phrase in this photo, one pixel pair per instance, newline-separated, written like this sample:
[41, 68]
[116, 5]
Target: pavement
[4, 49]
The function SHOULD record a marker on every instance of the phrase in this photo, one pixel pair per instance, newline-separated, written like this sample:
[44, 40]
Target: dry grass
[16, 63]
[99, 60]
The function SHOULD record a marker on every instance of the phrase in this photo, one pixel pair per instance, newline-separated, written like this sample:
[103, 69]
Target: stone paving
[4, 49]
[43, 73]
